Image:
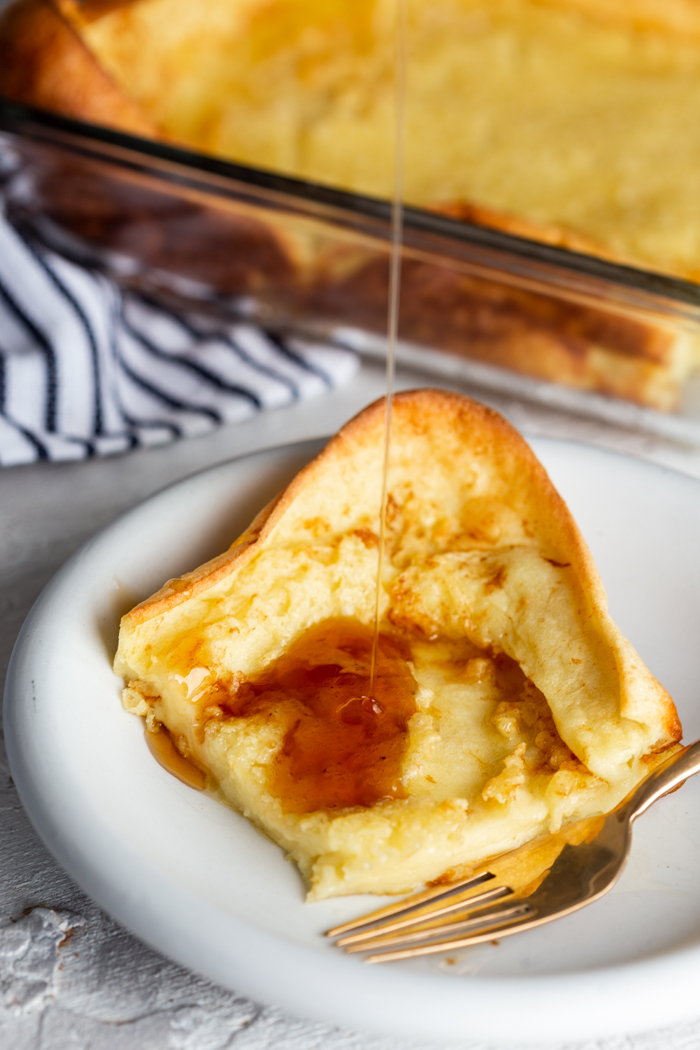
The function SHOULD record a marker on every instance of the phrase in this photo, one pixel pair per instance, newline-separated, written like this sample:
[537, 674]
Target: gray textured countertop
[69, 976]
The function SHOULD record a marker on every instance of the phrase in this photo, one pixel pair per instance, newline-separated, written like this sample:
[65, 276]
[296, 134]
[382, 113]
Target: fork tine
[499, 929]
[431, 910]
[407, 903]
[424, 933]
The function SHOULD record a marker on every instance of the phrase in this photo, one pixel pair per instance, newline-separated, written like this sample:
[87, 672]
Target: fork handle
[668, 776]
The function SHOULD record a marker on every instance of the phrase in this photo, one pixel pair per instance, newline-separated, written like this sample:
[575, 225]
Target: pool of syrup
[162, 747]
[344, 745]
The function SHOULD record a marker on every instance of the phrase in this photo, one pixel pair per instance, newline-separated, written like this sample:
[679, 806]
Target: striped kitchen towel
[87, 369]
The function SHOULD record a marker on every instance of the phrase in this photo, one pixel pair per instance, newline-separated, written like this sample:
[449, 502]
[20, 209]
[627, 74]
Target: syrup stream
[160, 743]
[400, 78]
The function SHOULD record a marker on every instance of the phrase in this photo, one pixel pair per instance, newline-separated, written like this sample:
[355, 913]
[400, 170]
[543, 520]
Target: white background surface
[69, 977]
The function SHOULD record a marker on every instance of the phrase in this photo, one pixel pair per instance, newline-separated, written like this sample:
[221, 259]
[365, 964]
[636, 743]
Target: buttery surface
[579, 118]
[530, 707]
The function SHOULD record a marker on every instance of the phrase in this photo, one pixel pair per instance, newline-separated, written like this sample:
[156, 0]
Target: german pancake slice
[505, 701]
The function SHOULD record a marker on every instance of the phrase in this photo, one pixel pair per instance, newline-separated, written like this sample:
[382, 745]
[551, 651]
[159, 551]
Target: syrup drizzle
[400, 80]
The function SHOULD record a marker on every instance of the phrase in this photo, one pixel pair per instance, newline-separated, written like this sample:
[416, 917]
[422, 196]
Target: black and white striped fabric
[86, 369]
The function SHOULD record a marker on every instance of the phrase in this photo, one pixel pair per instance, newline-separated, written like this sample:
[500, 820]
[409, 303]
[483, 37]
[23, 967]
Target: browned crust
[559, 236]
[419, 410]
[44, 63]
[547, 233]
[529, 332]
[174, 592]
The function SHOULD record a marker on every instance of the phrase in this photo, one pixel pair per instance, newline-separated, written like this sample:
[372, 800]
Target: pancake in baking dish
[568, 121]
[506, 701]
[573, 121]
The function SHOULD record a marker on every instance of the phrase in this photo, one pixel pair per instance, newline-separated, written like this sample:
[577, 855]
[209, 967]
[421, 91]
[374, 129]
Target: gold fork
[543, 880]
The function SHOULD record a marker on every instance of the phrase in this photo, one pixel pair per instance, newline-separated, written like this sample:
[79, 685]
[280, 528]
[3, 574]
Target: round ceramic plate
[197, 881]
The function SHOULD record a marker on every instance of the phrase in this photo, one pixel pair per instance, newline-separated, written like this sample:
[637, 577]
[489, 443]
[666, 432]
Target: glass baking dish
[500, 312]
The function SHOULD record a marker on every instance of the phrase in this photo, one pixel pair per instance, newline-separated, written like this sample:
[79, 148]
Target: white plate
[198, 882]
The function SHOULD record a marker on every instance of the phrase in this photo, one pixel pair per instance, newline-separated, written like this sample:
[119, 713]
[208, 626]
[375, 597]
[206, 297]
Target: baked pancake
[573, 121]
[566, 121]
[505, 702]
